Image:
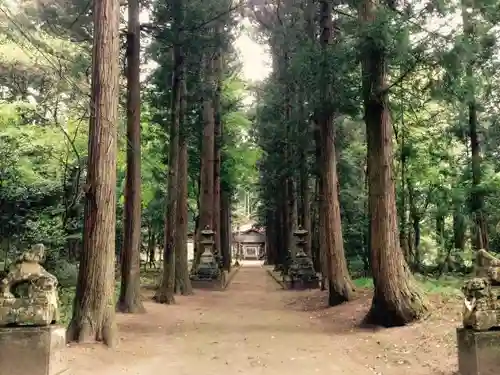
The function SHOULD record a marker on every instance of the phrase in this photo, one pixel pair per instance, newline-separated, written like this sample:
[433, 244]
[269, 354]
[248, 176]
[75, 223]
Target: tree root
[86, 331]
[164, 297]
[136, 307]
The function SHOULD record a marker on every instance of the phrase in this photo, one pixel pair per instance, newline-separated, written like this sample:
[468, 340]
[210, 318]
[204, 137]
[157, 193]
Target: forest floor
[255, 327]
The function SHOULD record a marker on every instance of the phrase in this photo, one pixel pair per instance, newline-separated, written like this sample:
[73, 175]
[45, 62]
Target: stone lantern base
[216, 284]
[300, 284]
[29, 350]
[478, 352]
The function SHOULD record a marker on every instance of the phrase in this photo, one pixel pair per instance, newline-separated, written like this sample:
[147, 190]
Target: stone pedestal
[302, 285]
[216, 284]
[29, 350]
[299, 284]
[478, 352]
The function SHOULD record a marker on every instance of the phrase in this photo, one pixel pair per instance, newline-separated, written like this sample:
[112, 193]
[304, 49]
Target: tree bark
[306, 206]
[225, 231]
[403, 233]
[459, 229]
[366, 236]
[315, 248]
[292, 212]
[341, 288]
[152, 247]
[320, 227]
[415, 217]
[94, 314]
[182, 281]
[207, 155]
[305, 191]
[396, 299]
[217, 143]
[270, 254]
[129, 300]
[480, 232]
[166, 289]
[285, 221]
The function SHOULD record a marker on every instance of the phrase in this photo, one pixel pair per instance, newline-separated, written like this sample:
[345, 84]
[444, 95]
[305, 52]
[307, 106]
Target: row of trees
[384, 210]
[70, 170]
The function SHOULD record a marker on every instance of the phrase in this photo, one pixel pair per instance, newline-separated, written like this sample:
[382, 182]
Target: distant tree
[166, 289]
[130, 291]
[182, 280]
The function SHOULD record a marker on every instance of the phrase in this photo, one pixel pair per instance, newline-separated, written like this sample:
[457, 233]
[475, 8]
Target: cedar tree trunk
[182, 281]
[166, 289]
[397, 300]
[94, 313]
[207, 157]
[130, 290]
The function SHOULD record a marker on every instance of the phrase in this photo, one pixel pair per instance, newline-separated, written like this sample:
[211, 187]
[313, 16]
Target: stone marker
[479, 339]
[30, 341]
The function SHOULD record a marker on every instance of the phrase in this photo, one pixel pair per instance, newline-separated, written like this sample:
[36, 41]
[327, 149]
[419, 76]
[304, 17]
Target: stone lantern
[208, 269]
[207, 241]
[301, 272]
[300, 234]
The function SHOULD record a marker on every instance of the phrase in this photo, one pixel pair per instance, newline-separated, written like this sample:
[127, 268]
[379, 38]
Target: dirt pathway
[247, 329]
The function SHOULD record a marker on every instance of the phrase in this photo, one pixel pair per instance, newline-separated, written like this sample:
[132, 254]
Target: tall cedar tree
[130, 291]
[321, 256]
[166, 289]
[207, 154]
[217, 140]
[396, 300]
[94, 312]
[182, 281]
[305, 202]
[341, 288]
[286, 202]
[480, 240]
[225, 229]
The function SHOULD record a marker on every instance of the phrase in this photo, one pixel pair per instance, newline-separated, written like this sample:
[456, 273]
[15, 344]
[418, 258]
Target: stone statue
[481, 304]
[28, 294]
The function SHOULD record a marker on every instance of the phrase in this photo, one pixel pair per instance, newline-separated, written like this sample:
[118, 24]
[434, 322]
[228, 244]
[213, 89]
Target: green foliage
[66, 298]
[433, 76]
[44, 116]
[239, 153]
[66, 272]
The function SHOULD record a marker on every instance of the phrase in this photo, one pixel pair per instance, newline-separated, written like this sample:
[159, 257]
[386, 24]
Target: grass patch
[363, 282]
[446, 285]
